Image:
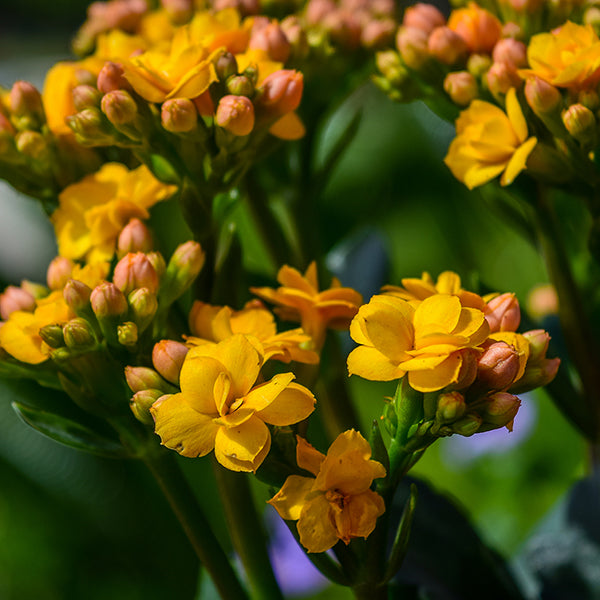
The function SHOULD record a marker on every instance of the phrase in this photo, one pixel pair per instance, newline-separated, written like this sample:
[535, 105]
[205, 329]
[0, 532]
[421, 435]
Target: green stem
[575, 325]
[197, 527]
[247, 533]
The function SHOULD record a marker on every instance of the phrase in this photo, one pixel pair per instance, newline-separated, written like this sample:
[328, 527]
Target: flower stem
[178, 492]
[247, 533]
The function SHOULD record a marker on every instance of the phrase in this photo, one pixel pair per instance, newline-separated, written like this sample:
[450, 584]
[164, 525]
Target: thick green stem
[197, 527]
[245, 528]
[575, 325]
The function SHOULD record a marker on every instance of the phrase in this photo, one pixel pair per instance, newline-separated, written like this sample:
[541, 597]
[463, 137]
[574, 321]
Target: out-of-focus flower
[423, 16]
[218, 407]
[479, 28]
[15, 298]
[503, 313]
[93, 211]
[299, 298]
[489, 142]
[462, 87]
[337, 504]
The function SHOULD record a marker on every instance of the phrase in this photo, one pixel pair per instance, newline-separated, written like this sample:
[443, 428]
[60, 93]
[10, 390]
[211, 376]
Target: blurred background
[74, 526]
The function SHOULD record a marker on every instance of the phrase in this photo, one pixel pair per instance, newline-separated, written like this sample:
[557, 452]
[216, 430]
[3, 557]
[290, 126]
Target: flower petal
[291, 405]
[371, 364]
[315, 527]
[290, 499]
[243, 448]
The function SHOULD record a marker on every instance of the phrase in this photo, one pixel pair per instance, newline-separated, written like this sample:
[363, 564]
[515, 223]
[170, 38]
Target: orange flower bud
[498, 366]
[134, 237]
[179, 115]
[135, 271]
[272, 40]
[119, 107]
[168, 357]
[462, 87]
[26, 105]
[111, 78]
[500, 78]
[503, 313]
[281, 92]
[511, 52]
[423, 16]
[412, 44]
[59, 272]
[479, 28]
[108, 301]
[447, 46]
[15, 298]
[538, 344]
[235, 114]
[500, 409]
[543, 98]
[144, 378]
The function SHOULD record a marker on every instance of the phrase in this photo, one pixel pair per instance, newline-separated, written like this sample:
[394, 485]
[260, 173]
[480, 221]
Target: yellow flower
[414, 290]
[184, 69]
[337, 504]
[19, 336]
[222, 29]
[434, 343]
[93, 211]
[217, 323]
[568, 57]
[489, 142]
[218, 407]
[299, 298]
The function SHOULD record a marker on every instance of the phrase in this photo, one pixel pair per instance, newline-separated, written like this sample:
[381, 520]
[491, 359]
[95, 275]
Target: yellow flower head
[568, 57]
[433, 343]
[414, 290]
[216, 323]
[299, 298]
[489, 142]
[220, 407]
[93, 211]
[20, 337]
[337, 504]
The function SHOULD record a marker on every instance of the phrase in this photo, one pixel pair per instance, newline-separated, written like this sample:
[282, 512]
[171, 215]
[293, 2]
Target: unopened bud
[244, 7]
[13, 299]
[226, 66]
[108, 301]
[500, 78]
[317, 10]
[479, 28]
[296, 35]
[179, 115]
[33, 145]
[144, 378]
[168, 357]
[134, 271]
[26, 105]
[111, 78]
[538, 344]
[498, 366]
[59, 272]
[272, 40]
[377, 33]
[467, 426]
[141, 402]
[134, 237]
[423, 16]
[503, 313]
[462, 87]
[127, 334]
[542, 301]
[543, 98]
[450, 407]
[52, 335]
[590, 99]
[184, 266]
[86, 96]
[119, 107]
[447, 46]
[158, 262]
[580, 123]
[281, 92]
[235, 114]
[412, 43]
[90, 127]
[240, 85]
[500, 409]
[78, 334]
[142, 307]
[510, 52]
[77, 295]
[479, 64]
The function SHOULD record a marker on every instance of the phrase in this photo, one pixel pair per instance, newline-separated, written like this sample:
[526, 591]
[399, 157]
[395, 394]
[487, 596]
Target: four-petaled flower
[218, 407]
[337, 504]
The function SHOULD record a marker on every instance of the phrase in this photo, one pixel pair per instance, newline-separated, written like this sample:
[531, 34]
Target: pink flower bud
[462, 87]
[15, 298]
[59, 272]
[111, 78]
[86, 96]
[451, 407]
[296, 35]
[413, 46]
[77, 295]
[500, 409]
[377, 33]
[281, 92]
[503, 313]
[168, 357]
[543, 98]
[447, 46]
[272, 40]
[498, 366]
[135, 271]
[179, 115]
[119, 107]
[317, 10]
[244, 7]
[511, 52]
[134, 237]
[500, 78]
[235, 114]
[144, 378]
[26, 104]
[468, 425]
[423, 16]
[108, 301]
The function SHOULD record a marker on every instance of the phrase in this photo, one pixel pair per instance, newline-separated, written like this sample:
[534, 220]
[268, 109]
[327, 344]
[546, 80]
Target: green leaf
[69, 432]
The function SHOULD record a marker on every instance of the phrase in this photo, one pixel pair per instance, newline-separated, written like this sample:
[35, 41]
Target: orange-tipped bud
[500, 409]
[240, 85]
[142, 306]
[462, 87]
[179, 115]
[580, 123]
[119, 107]
[543, 98]
[59, 272]
[235, 114]
[77, 295]
[90, 127]
[158, 262]
[86, 96]
[503, 313]
[479, 28]
[15, 298]
[184, 266]
[317, 10]
[377, 33]
[111, 78]
[26, 105]
[127, 334]
[144, 378]
[498, 366]
[510, 52]
[450, 407]
[412, 43]
[281, 92]
[78, 335]
[538, 344]
[272, 40]
[168, 357]
[135, 271]
[423, 16]
[134, 237]
[140, 405]
[447, 46]
[108, 301]
[500, 78]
